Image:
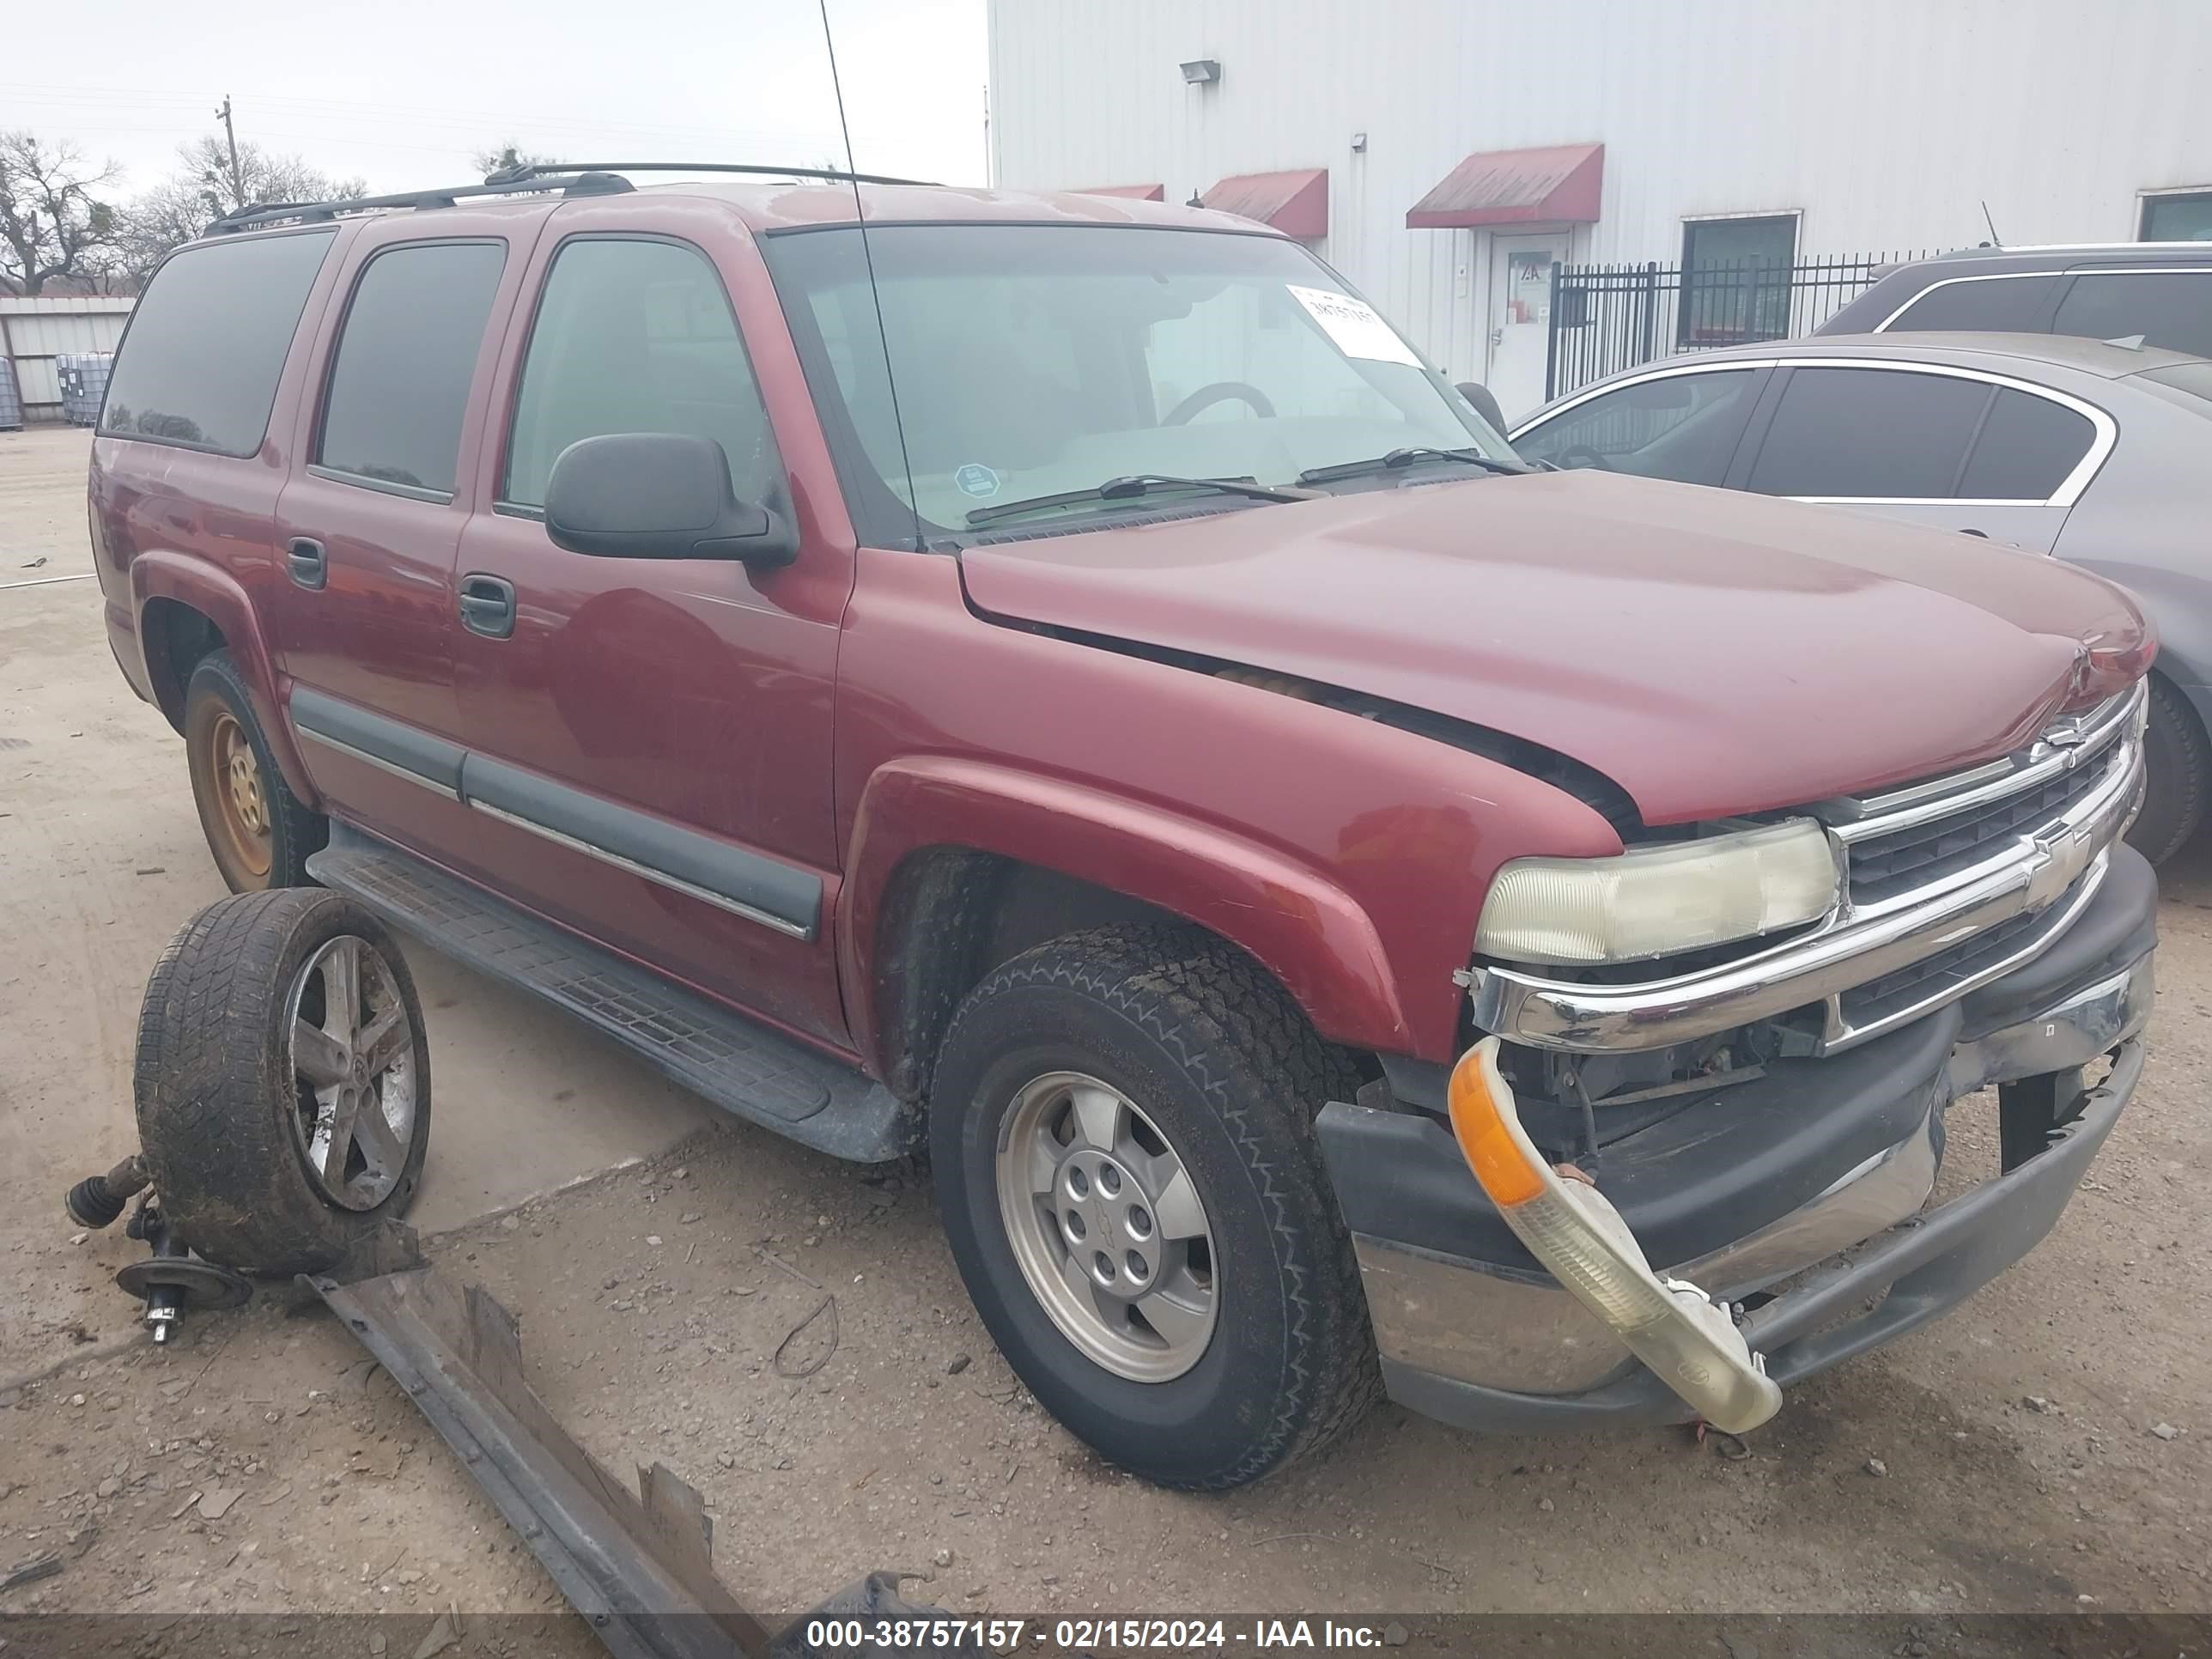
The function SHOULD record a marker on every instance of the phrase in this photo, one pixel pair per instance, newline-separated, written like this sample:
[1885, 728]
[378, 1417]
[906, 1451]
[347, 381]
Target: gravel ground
[2044, 1449]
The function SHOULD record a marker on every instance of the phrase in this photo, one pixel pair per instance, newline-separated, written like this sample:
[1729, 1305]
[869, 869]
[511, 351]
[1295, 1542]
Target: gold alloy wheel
[232, 800]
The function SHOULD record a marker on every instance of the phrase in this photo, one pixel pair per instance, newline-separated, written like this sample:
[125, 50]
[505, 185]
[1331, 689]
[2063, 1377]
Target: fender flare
[160, 574]
[1309, 933]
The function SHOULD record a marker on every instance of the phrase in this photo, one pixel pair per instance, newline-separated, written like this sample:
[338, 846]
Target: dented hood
[1713, 653]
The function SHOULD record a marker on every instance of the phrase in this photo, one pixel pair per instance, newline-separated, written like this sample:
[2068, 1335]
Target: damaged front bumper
[1803, 1193]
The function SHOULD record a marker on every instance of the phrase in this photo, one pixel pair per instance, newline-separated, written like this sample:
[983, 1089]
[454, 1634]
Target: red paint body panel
[1712, 651]
[1278, 823]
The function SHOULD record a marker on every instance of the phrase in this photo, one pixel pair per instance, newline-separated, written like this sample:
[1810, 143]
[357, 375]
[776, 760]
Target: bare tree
[53, 222]
[203, 188]
[509, 154]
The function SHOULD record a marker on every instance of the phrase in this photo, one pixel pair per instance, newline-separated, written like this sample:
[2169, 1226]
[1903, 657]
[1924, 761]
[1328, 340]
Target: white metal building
[1448, 151]
[34, 333]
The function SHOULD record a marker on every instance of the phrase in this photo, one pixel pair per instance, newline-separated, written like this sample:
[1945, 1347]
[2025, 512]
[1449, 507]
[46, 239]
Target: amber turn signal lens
[1492, 1151]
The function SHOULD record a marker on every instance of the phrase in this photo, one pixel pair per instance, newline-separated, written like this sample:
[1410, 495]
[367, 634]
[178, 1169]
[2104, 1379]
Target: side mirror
[1478, 395]
[658, 495]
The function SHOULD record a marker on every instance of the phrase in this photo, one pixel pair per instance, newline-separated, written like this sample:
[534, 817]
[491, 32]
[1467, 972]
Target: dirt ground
[2044, 1449]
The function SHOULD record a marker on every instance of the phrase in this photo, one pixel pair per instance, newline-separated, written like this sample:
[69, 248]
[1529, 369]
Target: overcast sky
[401, 92]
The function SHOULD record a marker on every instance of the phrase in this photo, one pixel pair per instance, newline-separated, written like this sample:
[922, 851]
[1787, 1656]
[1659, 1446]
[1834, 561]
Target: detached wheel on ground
[282, 1080]
[1121, 1131]
[259, 831]
[2177, 762]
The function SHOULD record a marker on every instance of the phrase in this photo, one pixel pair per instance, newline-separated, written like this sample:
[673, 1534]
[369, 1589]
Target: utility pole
[237, 184]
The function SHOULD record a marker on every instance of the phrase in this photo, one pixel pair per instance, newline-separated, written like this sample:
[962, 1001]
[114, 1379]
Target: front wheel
[1121, 1130]
[2180, 764]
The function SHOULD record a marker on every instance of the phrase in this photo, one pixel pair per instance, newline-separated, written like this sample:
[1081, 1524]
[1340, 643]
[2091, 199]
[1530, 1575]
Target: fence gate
[1605, 318]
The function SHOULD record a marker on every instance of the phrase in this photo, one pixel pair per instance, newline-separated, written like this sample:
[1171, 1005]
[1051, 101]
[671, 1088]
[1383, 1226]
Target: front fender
[158, 574]
[1303, 929]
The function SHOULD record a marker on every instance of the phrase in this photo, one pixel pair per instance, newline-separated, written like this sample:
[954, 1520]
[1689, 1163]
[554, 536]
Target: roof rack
[569, 177]
[536, 169]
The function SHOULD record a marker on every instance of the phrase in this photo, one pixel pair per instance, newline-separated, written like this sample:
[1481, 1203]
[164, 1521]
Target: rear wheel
[1121, 1131]
[2178, 764]
[259, 831]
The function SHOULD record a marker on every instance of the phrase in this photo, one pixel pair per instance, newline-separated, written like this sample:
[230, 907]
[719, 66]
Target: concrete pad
[101, 861]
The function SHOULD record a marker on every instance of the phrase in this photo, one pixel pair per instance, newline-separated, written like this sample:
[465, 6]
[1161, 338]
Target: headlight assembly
[1655, 901]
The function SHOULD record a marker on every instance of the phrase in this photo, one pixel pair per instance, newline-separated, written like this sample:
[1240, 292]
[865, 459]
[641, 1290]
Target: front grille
[1930, 978]
[1885, 865]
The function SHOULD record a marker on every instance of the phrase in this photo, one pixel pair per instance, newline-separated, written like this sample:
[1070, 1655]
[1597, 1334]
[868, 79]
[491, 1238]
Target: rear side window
[2002, 305]
[635, 335]
[2169, 309]
[2028, 446]
[1869, 433]
[400, 382]
[207, 342]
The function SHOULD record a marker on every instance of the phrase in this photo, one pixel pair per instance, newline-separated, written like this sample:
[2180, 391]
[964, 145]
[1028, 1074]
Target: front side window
[2181, 217]
[400, 382]
[208, 341]
[2002, 304]
[1874, 434]
[635, 335]
[2169, 309]
[1736, 280]
[1030, 360]
[1683, 426]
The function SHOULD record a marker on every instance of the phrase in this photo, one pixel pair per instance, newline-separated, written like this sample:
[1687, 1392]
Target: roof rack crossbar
[579, 178]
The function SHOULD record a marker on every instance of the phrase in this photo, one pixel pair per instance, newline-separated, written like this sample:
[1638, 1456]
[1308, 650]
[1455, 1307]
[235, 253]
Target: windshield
[1040, 360]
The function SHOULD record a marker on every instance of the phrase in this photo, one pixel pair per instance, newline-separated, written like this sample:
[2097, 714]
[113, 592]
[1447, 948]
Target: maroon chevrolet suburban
[1056, 682]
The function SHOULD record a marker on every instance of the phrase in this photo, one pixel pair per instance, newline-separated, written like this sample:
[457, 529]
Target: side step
[741, 1066]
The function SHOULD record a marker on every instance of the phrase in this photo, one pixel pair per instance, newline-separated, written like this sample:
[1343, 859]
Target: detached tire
[2178, 764]
[282, 1080]
[259, 831]
[1121, 1128]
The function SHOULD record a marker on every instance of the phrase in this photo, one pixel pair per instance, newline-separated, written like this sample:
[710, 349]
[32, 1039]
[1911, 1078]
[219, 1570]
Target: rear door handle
[309, 563]
[488, 605]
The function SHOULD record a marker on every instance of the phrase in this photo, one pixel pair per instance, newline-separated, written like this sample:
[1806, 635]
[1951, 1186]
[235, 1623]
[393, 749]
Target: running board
[739, 1065]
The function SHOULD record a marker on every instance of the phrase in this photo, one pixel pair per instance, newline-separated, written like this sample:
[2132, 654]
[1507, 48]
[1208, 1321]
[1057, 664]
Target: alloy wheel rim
[350, 1047]
[1107, 1227]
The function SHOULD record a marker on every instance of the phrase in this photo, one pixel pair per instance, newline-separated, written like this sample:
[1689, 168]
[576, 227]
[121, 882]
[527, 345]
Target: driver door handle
[487, 605]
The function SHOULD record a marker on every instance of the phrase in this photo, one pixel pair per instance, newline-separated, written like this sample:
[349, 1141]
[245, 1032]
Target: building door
[1520, 317]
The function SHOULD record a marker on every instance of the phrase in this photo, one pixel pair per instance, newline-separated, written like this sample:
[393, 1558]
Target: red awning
[1134, 192]
[1556, 185]
[1295, 202]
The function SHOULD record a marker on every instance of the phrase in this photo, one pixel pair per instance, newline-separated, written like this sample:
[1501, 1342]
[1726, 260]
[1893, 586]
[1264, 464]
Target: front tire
[1121, 1127]
[2178, 764]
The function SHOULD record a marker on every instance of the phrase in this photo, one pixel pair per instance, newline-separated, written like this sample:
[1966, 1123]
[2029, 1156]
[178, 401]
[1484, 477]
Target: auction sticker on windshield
[977, 479]
[1355, 326]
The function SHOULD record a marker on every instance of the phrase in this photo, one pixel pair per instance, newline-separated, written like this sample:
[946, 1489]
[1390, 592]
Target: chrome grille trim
[2028, 871]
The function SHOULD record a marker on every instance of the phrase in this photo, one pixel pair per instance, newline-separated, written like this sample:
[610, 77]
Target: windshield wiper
[1398, 459]
[1129, 488]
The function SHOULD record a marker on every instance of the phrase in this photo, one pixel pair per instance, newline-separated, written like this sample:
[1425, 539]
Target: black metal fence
[1605, 318]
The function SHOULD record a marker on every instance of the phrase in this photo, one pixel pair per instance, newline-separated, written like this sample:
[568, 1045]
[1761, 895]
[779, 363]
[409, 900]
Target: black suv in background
[2160, 290]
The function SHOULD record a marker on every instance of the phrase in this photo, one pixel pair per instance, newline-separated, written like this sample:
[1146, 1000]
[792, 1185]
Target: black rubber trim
[393, 742]
[1911, 1275]
[792, 896]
